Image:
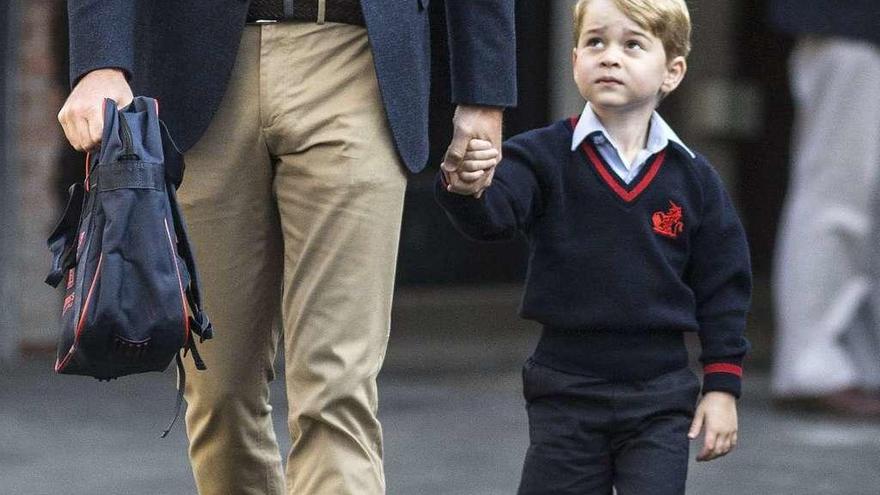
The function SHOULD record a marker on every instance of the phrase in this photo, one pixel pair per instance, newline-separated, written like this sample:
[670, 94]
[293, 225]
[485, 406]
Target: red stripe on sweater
[733, 369]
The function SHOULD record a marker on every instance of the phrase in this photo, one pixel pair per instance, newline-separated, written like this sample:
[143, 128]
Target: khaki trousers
[294, 199]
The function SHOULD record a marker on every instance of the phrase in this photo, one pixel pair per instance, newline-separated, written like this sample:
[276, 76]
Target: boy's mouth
[608, 80]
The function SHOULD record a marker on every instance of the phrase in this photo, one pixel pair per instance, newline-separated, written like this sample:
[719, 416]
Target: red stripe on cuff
[723, 368]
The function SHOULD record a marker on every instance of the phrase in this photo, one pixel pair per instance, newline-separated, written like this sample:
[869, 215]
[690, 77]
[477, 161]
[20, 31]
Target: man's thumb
[457, 149]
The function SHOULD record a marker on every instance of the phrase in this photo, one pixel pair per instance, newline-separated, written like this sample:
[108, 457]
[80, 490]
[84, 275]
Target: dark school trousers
[588, 434]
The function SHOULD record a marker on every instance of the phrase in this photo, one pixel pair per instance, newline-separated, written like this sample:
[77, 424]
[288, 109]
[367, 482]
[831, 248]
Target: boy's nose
[610, 58]
[609, 62]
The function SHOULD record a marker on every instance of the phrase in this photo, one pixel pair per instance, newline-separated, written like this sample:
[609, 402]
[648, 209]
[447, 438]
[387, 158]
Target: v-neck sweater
[617, 272]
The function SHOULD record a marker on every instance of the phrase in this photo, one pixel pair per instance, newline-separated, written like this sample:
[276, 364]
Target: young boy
[632, 242]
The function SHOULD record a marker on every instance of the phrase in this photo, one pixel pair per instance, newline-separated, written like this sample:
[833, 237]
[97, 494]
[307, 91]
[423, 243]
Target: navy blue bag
[132, 300]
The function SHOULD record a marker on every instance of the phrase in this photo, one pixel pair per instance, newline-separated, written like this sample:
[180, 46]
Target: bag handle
[62, 242]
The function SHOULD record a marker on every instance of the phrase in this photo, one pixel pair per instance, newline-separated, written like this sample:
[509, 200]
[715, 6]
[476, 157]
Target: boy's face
[619, 66]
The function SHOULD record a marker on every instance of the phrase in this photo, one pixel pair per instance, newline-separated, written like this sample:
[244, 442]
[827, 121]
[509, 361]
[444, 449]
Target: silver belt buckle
[263, 21]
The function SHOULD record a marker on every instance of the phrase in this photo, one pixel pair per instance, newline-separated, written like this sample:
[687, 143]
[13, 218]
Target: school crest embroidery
[668, 223]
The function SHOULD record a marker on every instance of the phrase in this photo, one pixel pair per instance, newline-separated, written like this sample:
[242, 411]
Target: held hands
[478, 162]
[717, 412]
[82, 116]
[473, 122]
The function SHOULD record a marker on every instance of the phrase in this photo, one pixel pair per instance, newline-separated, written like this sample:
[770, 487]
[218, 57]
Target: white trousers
[826, 267]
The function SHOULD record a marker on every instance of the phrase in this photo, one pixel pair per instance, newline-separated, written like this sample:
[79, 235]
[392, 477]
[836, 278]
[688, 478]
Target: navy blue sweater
[618, 272]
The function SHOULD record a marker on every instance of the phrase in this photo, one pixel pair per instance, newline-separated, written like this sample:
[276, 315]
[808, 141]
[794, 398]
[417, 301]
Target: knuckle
[78, 108]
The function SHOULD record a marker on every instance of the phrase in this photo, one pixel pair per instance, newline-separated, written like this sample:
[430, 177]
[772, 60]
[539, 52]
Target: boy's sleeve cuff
[722, 377]
[449, 199]
[444, 180]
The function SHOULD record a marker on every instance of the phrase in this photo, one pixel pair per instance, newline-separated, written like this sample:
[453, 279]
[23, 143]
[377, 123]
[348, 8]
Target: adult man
[828, 347]
[295, 145]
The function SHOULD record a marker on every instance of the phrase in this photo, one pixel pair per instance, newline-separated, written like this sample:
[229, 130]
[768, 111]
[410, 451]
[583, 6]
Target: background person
[827, 354]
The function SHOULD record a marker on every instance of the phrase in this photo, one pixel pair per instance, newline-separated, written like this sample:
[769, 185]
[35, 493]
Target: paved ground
[452, 413]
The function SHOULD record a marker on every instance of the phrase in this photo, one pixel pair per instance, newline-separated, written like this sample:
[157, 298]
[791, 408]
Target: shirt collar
[659, 133]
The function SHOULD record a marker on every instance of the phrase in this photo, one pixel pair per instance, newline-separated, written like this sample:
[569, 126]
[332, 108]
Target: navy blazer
[858, 19]
[182, 52]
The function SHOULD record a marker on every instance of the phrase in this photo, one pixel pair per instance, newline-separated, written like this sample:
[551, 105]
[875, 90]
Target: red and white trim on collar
[628, 195]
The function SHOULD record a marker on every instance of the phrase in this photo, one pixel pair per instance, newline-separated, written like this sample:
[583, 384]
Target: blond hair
[668, 20]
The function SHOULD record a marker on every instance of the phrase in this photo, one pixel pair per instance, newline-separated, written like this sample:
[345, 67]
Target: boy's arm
[719, 273]
[505, 208]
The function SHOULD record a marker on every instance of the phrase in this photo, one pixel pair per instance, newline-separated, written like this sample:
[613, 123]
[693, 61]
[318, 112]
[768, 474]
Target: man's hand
[717, 412]
[473, 122]
[82, 117]
[479, 160]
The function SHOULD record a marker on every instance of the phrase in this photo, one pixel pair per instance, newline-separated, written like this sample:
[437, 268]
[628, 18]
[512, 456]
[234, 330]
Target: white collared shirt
[659, 135]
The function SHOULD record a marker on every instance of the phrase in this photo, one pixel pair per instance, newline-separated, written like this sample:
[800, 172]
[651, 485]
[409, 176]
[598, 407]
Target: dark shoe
[849, 403]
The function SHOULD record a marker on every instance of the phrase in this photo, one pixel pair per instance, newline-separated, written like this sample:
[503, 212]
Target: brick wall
[38, 141]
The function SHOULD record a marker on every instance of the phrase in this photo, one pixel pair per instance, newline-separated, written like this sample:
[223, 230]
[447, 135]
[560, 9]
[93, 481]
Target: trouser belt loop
[288, 9]
[322, 9]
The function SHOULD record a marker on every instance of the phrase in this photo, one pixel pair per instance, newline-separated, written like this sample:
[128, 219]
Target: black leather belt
[344, 11]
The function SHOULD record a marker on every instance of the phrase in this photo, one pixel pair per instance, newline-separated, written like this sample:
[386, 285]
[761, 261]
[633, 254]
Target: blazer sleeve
[721, 278]
[482, 51]
[101, 35]
[509, 206]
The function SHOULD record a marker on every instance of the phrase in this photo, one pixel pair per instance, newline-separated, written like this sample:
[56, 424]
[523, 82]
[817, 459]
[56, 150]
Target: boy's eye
[593, 42]
[634, 45]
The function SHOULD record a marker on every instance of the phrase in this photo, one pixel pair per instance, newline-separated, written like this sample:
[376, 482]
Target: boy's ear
[574, 58]
[675, 70]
